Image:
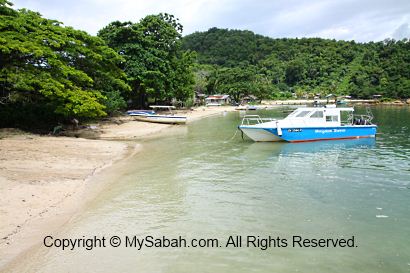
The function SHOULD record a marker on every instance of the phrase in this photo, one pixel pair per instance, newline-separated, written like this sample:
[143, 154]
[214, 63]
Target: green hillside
[240, 62]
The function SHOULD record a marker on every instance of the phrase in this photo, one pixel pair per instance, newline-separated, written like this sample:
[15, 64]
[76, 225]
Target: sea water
[246, 203]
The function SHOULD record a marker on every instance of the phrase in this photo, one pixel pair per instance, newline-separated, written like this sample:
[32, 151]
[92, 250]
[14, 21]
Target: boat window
[302, 114]
[293, 113]
[317, 114]
[332, 118]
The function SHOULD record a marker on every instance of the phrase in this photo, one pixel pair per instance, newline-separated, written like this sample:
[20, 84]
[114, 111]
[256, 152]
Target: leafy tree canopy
[57, 68]
[156, 67]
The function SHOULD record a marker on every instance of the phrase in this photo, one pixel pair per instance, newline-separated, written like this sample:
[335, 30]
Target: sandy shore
[125, 128]
[43, 178]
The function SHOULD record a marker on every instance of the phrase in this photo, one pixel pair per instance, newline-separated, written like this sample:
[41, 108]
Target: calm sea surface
[200, 182]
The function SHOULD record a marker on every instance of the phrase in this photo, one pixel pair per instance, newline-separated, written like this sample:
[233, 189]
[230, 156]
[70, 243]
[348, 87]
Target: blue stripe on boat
[321, 133]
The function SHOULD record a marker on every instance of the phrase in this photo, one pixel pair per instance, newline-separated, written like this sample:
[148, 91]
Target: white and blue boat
[310, 124]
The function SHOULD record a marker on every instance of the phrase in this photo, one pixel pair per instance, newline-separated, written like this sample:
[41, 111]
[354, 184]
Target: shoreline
[324, 101]
[46, 180]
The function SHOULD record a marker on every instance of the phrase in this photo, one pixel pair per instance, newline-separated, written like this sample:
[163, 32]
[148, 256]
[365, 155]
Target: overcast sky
[360, 20]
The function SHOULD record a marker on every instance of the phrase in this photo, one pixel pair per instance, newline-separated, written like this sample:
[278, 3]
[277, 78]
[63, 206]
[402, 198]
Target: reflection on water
[284, 148]
[201, 183]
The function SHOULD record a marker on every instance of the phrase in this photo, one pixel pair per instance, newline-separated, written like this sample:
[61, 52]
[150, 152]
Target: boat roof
[325, 108]
[162, 106]
[303, 112]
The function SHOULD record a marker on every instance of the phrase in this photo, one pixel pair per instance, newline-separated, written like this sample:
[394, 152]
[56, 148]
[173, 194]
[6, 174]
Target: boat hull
[258, 133]
[162, 119]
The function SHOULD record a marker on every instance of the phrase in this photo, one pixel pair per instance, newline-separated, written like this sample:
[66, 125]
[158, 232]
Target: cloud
[403, 31]
[360, 20]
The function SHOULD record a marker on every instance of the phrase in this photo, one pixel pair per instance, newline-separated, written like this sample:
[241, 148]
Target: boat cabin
[323, 116]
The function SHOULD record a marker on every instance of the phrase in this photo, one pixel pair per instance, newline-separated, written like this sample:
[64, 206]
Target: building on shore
[217, 100]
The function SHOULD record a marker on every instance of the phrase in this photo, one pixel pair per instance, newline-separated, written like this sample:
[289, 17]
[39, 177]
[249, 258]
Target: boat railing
[362, 120]
[369, 113]
[254, 119]
[359, 119]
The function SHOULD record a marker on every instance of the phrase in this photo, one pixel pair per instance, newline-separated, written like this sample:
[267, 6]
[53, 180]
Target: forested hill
[276, 67]
[228, 47]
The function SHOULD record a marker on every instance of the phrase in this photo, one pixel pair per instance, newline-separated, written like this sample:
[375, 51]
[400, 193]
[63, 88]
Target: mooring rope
[234, 135]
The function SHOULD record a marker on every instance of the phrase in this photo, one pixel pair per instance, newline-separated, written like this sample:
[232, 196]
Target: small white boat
[252, 107]
[169, 118]
[241, 108]
[246, 107]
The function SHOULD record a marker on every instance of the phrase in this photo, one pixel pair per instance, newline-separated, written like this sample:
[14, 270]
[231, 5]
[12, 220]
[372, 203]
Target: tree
[45, 65]
[295, 72]
[156, 67]
[236, 82]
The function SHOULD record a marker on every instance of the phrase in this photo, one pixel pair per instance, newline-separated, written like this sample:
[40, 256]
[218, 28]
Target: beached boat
[169, 118]
[140, 112]
[241, 107]
[246, 107]
[310, 124]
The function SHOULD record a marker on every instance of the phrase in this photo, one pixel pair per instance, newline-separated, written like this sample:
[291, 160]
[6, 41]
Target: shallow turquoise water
[201, 183]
